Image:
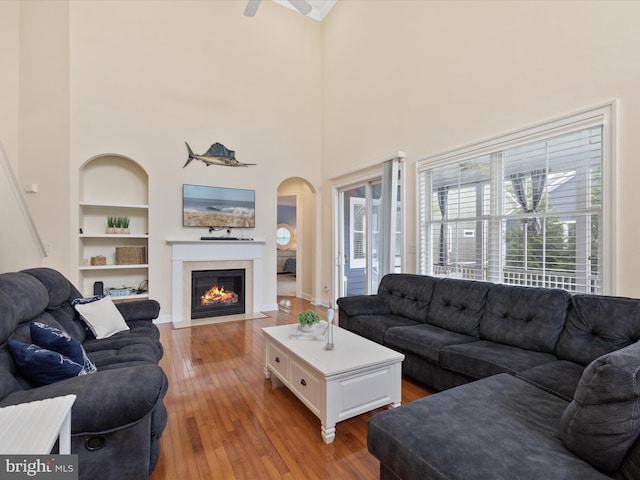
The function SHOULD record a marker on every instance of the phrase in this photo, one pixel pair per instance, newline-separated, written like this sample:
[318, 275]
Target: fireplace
[216, 293]
[191, 255]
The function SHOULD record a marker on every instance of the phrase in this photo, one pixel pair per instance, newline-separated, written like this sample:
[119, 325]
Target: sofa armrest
[139, 310]
[364, 305]
[106, 400]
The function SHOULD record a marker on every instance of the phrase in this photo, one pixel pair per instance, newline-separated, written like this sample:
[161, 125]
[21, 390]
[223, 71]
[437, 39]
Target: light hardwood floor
[226, 421]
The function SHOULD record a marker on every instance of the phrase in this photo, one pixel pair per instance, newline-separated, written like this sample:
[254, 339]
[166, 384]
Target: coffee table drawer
[307, 385]
[278, 362]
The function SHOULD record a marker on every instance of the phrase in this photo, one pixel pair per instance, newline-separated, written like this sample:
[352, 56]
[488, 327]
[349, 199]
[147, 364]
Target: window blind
[524, 214]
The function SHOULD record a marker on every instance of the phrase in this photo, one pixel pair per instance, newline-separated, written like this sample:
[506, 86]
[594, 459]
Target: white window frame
[357, 262]
[604, 115]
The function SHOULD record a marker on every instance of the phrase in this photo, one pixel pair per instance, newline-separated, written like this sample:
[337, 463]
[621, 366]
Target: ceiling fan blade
[302, 6]
[251, 8]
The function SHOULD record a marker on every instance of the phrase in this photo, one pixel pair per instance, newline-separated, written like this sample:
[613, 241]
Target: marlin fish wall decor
[217, 154]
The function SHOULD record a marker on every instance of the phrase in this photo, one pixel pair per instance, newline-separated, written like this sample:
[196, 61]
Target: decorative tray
[319, 332]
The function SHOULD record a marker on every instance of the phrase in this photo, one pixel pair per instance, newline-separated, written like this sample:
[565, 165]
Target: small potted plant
[117, 224]
[111, 224]
[124, 224]
[308, 320]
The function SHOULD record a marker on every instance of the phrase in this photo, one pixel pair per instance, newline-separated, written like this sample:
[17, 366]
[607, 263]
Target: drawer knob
[303, 383]
[277, 359]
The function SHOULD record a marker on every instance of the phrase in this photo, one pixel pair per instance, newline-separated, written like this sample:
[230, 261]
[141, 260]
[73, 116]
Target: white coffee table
[357, 376]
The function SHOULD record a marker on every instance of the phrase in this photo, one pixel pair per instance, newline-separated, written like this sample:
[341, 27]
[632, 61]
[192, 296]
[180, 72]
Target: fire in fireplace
[217, 292]
[218, 295]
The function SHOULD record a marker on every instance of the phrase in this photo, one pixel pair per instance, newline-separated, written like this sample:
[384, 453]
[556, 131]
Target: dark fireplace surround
[216, 293]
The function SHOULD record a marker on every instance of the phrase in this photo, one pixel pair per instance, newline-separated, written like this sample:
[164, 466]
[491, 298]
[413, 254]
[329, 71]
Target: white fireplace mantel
[187, 255]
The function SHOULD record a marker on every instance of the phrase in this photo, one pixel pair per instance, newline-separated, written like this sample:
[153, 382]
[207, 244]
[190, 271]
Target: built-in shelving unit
[112, 185]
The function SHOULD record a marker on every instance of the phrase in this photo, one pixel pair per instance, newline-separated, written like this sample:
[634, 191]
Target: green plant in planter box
[308, 318]
[118, 224]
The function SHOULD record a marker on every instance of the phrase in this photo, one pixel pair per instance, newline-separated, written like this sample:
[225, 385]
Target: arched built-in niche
[113, 186]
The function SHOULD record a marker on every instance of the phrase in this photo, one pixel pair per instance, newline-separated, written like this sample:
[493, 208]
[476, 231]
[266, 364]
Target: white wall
[146, 76]
[44, 126]
[297, 97]
[20, 243]
[9, 79]
[139, 78]
[427, 77]
[34, 130]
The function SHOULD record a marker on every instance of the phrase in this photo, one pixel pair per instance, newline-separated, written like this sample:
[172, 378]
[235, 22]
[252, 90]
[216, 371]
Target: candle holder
[330, 315]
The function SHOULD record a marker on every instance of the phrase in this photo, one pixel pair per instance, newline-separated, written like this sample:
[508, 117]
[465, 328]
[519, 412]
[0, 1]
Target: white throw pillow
[102, 317]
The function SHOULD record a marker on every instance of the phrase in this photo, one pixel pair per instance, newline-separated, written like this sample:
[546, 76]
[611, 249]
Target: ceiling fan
[300, 5]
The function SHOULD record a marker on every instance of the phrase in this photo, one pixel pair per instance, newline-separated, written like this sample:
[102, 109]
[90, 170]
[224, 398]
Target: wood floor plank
[228, 422]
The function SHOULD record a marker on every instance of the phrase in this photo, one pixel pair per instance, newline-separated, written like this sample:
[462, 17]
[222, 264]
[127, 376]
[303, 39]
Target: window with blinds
[525, 210]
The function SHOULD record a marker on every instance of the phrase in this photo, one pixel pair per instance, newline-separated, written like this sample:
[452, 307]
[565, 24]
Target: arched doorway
[294, 238]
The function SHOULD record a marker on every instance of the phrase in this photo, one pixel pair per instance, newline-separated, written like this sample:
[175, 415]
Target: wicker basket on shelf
[99, 260]
[131, 255]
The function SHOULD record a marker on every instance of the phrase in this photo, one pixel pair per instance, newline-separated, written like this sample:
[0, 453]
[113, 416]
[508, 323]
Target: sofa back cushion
[597, 325]
[8, 322]
[61, 292]
[603, 421]
[631, 464]
[28, 294]
[8, 317]
[408, 295]
[457, 305]
[525, 317]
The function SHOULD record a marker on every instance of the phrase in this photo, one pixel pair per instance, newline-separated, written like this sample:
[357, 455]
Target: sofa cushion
[374, 327]
[409, 295]
[143, 328]
[42, 366]
[134, 353]
[60, 291]
[122, 340]
[597, 325]
[8, 317]
[560, 377]
[8, 382]
[457, 305]
[497, 428]
[423, 340]
[102, 317]
[631, 464]
[61, 342]
[603, 421]
[482, 359]
[526, 317]
[57, 285]
[28, 294]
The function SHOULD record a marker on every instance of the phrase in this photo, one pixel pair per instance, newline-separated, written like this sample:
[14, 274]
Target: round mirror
[285, 236]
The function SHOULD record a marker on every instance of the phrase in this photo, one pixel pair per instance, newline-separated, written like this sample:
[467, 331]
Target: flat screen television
[218, 207]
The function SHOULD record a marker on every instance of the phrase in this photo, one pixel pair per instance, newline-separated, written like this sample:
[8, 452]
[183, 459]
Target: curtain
[443, 255]
[388, 209]
[520, 189]
[538, 182]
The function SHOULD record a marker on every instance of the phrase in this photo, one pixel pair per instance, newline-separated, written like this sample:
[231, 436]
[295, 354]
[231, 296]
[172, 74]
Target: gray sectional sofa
[119, 414]
[534, 383]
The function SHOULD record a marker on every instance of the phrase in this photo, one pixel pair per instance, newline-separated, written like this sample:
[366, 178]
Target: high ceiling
[319, 8]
